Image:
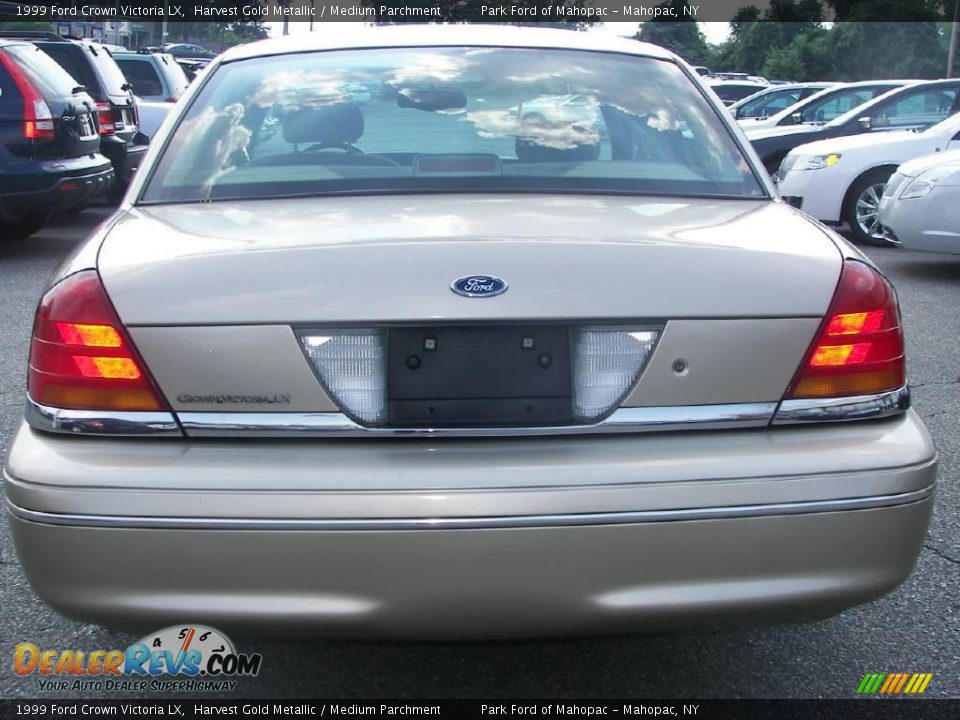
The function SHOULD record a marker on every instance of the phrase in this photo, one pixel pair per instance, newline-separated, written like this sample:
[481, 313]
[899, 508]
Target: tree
[782, 22]
[680, 34]
[25, 25]
[889, 10]
[861, 50]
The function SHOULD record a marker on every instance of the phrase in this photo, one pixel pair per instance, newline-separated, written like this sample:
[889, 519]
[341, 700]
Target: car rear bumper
[126, 158]
[482, 538]
[53, 185]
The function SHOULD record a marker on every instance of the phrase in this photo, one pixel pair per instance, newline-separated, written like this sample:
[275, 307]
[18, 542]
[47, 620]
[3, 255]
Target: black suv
[49, 145]
[92, 66]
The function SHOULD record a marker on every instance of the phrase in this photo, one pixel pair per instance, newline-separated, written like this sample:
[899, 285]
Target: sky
[715, 32]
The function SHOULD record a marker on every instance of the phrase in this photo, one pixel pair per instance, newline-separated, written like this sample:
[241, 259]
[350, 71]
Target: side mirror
[864, 122]
[797, 118]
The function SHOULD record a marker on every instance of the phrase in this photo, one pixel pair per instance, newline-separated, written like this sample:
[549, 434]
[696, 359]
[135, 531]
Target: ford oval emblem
[478, 286]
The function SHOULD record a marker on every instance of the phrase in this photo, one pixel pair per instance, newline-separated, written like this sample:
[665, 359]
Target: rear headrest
[340, 123]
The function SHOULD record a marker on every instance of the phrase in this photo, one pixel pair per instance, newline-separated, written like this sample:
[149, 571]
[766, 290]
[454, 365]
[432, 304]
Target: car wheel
[863, 208]
[24, 227]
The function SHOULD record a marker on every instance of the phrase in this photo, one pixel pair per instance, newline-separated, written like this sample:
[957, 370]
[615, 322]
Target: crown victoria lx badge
[478, 286]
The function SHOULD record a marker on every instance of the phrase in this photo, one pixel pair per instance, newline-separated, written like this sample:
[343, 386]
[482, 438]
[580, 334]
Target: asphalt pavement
[914, 629]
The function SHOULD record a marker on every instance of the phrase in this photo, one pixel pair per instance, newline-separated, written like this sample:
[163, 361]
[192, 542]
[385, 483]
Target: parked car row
[75, 121]
[832, 151]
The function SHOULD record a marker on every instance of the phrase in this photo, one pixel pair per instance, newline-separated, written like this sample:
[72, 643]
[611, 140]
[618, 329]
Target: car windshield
[449, 119]
[768, 103]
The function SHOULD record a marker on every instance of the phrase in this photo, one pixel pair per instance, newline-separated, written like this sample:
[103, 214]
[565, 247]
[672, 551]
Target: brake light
[170, 100]
[859, 347]
[37, 118]
[81, 356]
[105, 118]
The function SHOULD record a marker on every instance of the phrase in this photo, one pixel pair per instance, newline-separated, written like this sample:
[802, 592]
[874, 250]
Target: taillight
[81, 357]
[105, 118]
[37, 118]
[170, 100]
[859, 346]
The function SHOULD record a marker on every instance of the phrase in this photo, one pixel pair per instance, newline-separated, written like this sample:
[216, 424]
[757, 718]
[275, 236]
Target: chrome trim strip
[633, 419]
[860, 407]
[470, 523]
[100, 422]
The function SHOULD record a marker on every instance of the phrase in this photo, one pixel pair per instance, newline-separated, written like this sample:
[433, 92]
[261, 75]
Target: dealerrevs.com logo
[189, 658]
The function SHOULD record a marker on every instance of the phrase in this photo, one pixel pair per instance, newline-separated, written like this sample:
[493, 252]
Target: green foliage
[218, 35]
[682, 36]
[26, 25]
[789, 40]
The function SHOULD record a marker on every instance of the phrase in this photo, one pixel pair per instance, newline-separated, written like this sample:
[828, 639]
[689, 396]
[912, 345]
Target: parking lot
[916, 629]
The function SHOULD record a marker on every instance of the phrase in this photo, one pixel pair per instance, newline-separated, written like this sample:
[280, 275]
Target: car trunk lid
[263, 306]
[393, 259]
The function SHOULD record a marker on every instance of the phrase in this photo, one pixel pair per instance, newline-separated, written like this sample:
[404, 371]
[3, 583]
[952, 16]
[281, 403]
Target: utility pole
[163, 26]
[311, 15]
[285, 4]
[952, 56]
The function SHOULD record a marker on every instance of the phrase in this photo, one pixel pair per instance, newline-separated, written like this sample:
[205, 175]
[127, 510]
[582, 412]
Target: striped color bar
[894, 683]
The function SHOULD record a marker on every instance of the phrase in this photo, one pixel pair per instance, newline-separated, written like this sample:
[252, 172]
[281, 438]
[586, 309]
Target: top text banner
[533, 11]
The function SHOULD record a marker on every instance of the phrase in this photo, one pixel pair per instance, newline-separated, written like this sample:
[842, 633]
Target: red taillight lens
[37, 118]
[859, 347]
[81, 357]
[105, 118]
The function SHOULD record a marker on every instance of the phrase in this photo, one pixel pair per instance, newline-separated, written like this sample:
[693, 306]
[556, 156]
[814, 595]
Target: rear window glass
[46, 75]
[143, 77]
[110, 74]
[176, 77]
[729, 93]
[449, 119]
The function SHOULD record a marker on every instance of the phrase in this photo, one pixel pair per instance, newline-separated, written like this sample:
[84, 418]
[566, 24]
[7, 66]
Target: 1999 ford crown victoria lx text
[463, 332]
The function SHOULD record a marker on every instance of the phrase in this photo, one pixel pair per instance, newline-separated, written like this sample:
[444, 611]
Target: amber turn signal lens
[81, 357]
[859, 347]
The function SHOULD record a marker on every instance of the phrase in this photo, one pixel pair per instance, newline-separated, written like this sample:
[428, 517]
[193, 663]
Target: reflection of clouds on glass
[663, 119]
[429, 67]
[567, 75]
[209, 143]
[558, 133]
[302, 88]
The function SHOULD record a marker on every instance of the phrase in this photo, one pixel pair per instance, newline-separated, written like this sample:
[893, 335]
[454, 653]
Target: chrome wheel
[867, 209]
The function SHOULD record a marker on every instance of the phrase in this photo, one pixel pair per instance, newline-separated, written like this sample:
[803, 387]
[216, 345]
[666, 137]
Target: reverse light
[81, 357]
[606, 364]
[37, 118]
[859, 347]
[352, 366]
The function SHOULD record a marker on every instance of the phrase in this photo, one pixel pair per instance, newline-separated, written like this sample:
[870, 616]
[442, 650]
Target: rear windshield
[730, 93]
[143, 77]
[51, 80]
[449, 119]
[110, 74]
[176, 77]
